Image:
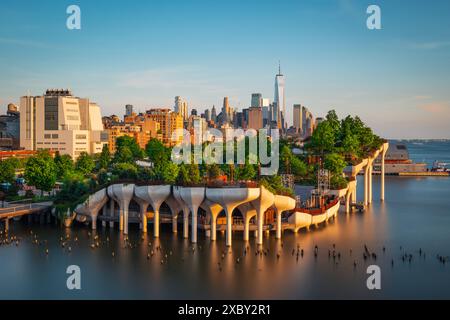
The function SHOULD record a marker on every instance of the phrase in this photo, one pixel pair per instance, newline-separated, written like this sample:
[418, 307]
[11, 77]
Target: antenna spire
[279, 67]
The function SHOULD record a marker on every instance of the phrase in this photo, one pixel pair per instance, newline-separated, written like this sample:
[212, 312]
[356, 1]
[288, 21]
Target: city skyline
[395, 81]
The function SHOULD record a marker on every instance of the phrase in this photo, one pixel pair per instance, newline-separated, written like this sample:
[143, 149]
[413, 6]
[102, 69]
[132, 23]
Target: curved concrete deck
[250, 202]
[282, 204]
[229, 199]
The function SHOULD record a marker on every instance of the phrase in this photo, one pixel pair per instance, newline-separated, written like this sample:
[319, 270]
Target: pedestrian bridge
[18, 210]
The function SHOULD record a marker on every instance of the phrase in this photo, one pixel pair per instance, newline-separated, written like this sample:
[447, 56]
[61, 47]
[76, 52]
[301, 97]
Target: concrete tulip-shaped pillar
[383, 156]
[177, 196]
[248, 212]
[261, 204]
[112, 203]
[370, 182]
[174, 209]
[155, 196]
[104, 214]
[193, 197]
[213, 210]
[366, 182]
[282, 204]
[123, 193]
[143, 206]
[229, 199]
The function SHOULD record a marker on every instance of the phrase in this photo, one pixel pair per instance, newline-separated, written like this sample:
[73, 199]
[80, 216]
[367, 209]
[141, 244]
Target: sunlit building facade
[58, 121]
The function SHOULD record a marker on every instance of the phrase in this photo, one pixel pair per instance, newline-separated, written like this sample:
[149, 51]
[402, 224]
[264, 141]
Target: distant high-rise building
[266, 111]
[207, 115]
[307, 122]
[256, 100]
[58, 121]
[245, 116]
[214, 114]
[128, 110]
[10, 129]
[274, 113]
[298, 119]
[239, 121]
[255, 119]
[279, 99]
[181, 107]
[226, 114]
[226, 105]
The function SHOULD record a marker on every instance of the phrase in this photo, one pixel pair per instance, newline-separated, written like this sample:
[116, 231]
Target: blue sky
[147, 52]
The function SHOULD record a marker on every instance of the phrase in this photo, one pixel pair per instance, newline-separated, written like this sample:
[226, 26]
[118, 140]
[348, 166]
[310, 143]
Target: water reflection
[414, 216]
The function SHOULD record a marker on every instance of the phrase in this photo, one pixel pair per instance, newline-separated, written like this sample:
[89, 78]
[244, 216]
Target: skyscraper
[279, 98]
[298, 118]
[256, 100]
[226, 112]
[181, 107]
[226, 106]
[266, 111]
[214, 114]
[207, 115]
[307, 122]
[255, 118]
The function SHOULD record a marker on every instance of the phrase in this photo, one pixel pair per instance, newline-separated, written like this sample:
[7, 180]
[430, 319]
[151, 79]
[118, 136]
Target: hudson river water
[414, 217]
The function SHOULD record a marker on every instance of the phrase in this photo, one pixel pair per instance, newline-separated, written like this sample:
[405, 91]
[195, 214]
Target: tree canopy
[40, 171]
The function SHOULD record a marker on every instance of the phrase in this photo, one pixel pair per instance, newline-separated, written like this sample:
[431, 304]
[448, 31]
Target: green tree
[335, 163]
[72, 190]
[129, 142]
[105, 158]
[8, 170]
[213, 171]
[125, 170]
[298, 167]
[275, 185]
[194, 173]
[183, 177]
[169, 172]
[246, 172]
[40, 171]
[157, 152]
[124, 155]
[64, 165]
[85, 163]
[333, 121]
[323, 139]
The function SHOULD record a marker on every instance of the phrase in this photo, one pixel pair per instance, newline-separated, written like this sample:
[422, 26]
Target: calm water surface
[415, 215]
